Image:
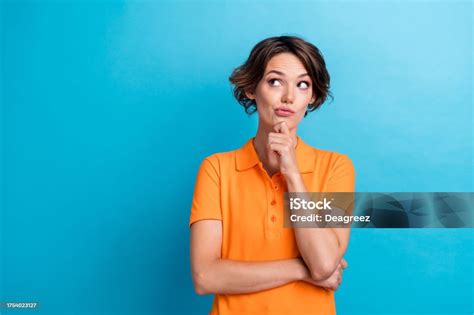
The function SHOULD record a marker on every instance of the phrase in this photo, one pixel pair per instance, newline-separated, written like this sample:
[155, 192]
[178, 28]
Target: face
[284, 91]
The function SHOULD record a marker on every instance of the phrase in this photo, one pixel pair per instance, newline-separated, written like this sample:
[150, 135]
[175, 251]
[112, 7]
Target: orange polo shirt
[234, 187]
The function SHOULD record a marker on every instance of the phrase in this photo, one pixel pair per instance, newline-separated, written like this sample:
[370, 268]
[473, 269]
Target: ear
[250, 95]
[313, 99]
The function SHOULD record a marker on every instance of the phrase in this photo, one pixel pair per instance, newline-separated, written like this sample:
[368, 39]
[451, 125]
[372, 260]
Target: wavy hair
[247, 76]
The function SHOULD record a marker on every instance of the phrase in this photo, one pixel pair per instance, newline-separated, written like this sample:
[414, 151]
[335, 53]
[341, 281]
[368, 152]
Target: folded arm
[321, 248]
[212, 274]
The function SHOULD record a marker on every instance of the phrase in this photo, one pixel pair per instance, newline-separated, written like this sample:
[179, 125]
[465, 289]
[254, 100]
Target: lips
[284, 112]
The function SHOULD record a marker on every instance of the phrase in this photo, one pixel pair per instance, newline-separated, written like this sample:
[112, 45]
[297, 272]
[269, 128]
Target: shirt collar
[246, 156]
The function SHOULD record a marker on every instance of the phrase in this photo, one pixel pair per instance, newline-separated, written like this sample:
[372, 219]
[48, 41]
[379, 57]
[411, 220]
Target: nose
[288, 95]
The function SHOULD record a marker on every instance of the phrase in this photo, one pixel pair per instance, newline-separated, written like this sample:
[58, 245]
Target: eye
[306, 83]
[305, 86]
[273, 80]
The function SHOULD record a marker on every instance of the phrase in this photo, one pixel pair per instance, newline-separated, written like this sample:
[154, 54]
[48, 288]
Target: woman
[240, 250]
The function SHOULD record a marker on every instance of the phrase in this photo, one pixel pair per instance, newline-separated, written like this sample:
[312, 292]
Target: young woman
[240, 250]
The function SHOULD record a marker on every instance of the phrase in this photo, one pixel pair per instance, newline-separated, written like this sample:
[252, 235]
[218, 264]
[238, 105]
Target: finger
[284, 128]
[278, 141]
[277, 126]
[279, 135]
[278, 147]
[281, 140]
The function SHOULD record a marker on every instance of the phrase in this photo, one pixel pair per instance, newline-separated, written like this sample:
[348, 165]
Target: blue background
[108, 108]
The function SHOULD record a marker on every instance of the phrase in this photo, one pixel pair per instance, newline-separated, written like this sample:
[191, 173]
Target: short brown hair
[246, 77]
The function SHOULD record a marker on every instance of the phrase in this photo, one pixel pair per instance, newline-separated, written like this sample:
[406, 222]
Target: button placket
[273, 213]
[275, 181]
[272, 229]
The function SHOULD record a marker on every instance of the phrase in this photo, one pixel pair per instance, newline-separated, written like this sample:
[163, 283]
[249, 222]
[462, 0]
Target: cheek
[269, 94]
[301, 110]
[307, 95]
[268, 99]
[300, 115]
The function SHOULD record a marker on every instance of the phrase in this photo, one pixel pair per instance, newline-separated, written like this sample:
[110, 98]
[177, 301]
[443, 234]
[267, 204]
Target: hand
[334, 281]
[280, 145]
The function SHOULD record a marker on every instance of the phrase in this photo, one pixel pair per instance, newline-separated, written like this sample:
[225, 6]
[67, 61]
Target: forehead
[285, 62]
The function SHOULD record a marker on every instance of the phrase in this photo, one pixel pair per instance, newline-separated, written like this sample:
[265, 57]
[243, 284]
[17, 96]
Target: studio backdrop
[109, 107]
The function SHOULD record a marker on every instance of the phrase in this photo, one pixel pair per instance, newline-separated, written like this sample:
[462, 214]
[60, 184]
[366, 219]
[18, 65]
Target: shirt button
[276, 187]
[273, 202]
[274, 218]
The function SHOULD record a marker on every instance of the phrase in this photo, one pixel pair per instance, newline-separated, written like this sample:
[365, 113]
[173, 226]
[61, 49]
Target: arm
[211, 274]
[322, 249]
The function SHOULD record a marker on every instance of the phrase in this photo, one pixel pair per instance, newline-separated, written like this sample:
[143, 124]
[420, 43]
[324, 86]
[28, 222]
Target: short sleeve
[342, 178]
[206, 199]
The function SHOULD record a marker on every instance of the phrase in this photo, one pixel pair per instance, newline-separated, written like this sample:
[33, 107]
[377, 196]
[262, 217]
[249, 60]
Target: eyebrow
[281, 73]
